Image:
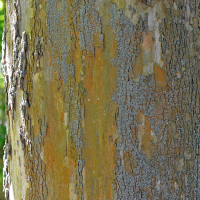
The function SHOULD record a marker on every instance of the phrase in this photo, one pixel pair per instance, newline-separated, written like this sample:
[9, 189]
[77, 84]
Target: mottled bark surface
[102, 99]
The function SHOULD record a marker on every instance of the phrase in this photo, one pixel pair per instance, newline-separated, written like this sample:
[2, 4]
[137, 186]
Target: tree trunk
[102, 99]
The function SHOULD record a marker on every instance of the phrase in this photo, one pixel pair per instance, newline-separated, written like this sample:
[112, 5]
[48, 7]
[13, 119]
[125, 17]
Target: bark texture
[102, 99]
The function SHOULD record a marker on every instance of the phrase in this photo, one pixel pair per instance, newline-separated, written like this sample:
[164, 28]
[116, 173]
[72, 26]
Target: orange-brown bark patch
[147, 40]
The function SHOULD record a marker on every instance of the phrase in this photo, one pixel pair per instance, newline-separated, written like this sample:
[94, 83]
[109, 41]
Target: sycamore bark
[102, 99]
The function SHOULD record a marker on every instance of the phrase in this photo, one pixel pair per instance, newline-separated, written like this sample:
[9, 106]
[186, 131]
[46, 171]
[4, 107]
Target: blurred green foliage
[2, 103]
[2, 95]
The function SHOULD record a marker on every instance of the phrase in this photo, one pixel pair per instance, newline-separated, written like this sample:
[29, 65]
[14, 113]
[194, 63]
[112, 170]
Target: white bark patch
[158, 185]
[11, 192]
[157, 46]
[148, 69]
[153, 136]
[178, 75]
[41, 155]
[175, 6]
[66, 118]
[72, 191]
[187, 155]
[176, 186]
[188, 10]
[84, 182]
[188, 27]
[152, 19]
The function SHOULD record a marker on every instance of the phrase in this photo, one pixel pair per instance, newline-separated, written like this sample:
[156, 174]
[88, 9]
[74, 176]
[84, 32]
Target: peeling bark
[102, 99]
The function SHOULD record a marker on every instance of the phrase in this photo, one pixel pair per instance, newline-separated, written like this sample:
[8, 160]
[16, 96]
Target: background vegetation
[2, 105]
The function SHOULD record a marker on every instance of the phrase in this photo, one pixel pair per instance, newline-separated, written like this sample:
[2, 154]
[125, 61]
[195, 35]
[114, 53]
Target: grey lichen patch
[59, 36]
[131, 96]
[75, 107]
[82, 31]
[90, 27]
[172, 111]
[81, 18]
